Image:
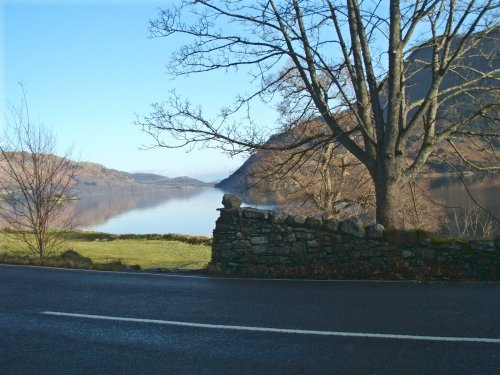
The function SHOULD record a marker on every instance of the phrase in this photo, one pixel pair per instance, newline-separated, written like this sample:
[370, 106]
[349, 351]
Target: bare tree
[35, 185]
[402, 69]
[472, 222]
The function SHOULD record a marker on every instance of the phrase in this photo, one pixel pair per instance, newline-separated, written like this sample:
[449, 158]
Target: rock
[428, 254]
[258, 241]
[254, 213]
[354, 227]
[312, 244]
[452, 245]
[296, 220]
[231, 201]
[259, 249]
[298, 247]
[484, 245]
[375, 231]
[407, 254]
[278, 217]
[303, 234]
[331, 225]
[314, 223]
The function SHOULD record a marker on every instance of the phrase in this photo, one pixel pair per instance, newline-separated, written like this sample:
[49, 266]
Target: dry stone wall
[253, 242]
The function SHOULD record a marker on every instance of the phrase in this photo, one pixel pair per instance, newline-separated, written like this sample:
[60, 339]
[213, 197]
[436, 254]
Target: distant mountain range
[92, 177]
[158, 180]
[96, 178]
[416, 87]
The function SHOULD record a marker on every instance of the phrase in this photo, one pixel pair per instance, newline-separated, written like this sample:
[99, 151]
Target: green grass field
[105, 251]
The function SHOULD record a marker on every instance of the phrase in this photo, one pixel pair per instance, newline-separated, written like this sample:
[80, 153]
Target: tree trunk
[387, 193]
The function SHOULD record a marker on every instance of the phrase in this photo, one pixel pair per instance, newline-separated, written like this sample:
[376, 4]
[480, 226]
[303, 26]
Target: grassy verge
[93, 250]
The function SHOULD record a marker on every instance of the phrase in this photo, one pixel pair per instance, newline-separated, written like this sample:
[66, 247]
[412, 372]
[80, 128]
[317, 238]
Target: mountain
[238, 182]
[92, 177]
[248, 180]
[416, 87]
[95, 178]
[158, 180]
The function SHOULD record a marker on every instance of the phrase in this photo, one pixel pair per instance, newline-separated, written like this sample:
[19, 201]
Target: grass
[96, 250]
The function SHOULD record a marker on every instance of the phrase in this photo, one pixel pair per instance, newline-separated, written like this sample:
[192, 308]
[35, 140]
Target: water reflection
[189, 211]
[194, 211]
[97, 209]
[484, 189]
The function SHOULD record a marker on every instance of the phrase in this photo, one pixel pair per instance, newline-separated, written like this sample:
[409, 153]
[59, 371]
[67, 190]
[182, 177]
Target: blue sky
[89, 67]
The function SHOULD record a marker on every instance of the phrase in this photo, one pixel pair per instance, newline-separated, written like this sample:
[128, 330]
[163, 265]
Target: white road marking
[279, 330]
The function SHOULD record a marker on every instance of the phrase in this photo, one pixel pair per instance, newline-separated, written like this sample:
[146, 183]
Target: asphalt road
[168, 324]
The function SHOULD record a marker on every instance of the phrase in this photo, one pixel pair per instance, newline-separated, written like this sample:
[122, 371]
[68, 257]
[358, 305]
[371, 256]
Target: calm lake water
[187, 211]
[451, 191]
[194, 211]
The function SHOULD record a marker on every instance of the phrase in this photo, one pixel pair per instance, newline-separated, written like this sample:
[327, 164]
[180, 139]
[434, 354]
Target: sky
[89, 68]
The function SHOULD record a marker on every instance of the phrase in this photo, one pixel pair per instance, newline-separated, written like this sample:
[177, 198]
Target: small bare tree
[472, 222]
[35, 185]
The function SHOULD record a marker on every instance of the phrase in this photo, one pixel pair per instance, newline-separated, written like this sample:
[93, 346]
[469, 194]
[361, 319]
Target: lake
[194, 211]
[186, 211]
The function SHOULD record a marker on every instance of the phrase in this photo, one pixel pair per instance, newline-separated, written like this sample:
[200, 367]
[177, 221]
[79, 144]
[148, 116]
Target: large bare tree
[35, 185]
[402, 69]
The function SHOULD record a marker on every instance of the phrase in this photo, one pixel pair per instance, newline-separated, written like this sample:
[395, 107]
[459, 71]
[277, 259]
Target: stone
[484, 245]
[331, 225]
[452, 245]
[372, 252]
[230, 201]
[298, 247]
[269, 260]
[278, 217]
[296, 220]
[254, 213]
[225, 245]
[259, 249]
[407, 254]
[241, 244]
[354, 227]
[276, 238]
[443, 258]
[303, 234]
[258, 240]
[375, 231]
[314, 223]
[425, 253]
[312, 244]
[275, 250]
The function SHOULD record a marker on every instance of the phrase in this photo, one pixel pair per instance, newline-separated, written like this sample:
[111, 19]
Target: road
[56, 321]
